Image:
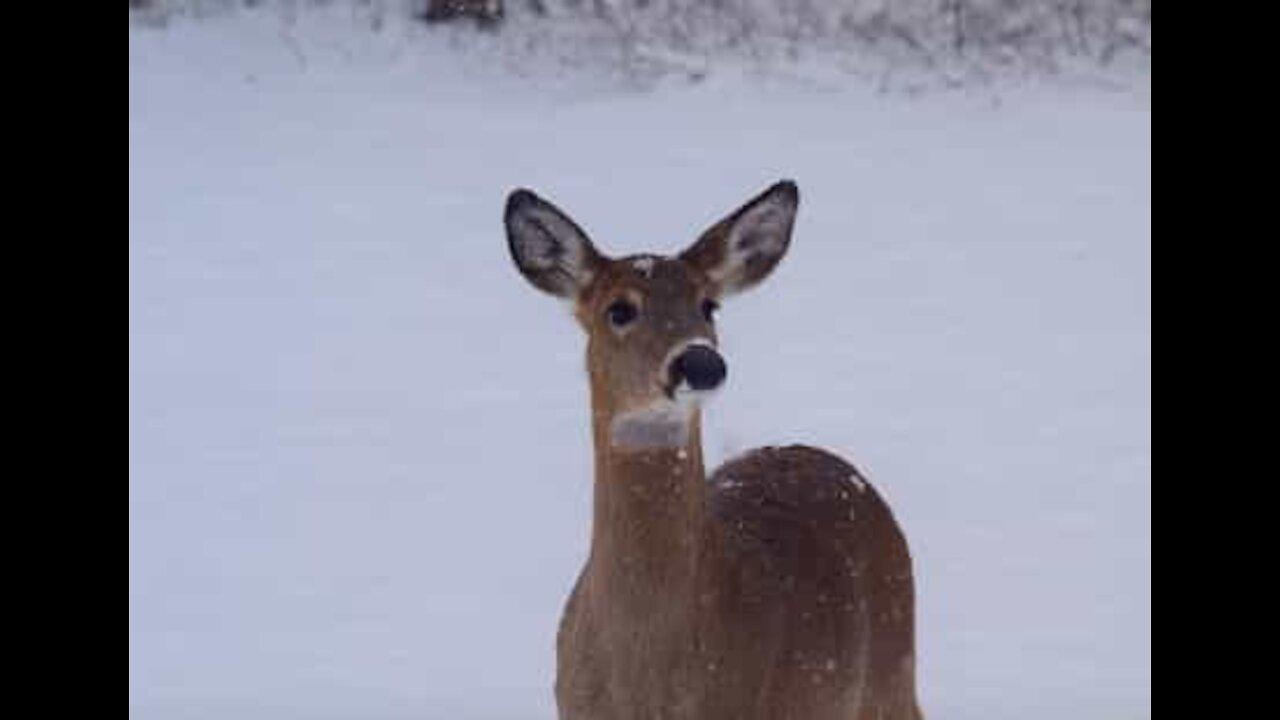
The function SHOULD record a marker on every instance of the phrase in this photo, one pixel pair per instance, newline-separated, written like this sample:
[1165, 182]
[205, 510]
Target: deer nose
[700, 366]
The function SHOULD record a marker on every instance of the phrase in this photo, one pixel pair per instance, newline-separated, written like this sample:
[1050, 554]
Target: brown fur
[780, 588]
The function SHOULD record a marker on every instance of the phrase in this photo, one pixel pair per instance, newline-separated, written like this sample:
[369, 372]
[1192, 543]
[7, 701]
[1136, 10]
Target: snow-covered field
[359, 457]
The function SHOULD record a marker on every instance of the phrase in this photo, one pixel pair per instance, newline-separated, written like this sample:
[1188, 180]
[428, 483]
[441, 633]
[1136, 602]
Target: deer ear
[549, 248]
[742, 249]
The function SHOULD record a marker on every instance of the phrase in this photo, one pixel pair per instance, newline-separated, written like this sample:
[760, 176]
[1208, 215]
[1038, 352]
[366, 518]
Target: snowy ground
[359, 462]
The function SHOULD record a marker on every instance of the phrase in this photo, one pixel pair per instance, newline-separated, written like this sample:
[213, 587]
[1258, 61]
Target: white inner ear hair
[762, 229]
[546, 241]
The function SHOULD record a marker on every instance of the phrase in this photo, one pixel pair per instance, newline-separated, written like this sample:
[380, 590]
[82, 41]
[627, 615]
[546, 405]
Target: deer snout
[697, 367]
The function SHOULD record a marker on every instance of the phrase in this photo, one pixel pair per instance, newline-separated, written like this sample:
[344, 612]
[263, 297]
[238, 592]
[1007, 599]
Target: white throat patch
[664, 424]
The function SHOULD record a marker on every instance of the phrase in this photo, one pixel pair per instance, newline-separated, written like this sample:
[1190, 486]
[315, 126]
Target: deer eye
[622, 313]
[709, 308]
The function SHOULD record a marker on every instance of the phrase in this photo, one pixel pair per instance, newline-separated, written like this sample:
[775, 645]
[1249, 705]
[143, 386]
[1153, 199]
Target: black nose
[700, 366]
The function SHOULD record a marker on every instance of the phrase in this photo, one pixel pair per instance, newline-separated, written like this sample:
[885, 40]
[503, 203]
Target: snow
[359, 449]
[644, 264]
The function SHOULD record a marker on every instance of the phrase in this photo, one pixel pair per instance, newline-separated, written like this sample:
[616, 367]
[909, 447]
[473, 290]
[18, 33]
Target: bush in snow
[946, 35]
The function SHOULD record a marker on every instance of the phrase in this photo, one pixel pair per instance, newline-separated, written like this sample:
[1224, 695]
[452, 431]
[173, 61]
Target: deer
[780, 587]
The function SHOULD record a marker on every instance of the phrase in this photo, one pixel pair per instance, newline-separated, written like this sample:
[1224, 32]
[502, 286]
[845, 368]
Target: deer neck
[649, 508]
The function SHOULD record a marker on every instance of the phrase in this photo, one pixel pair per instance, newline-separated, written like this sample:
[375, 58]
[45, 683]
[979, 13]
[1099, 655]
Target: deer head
[650, 320]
